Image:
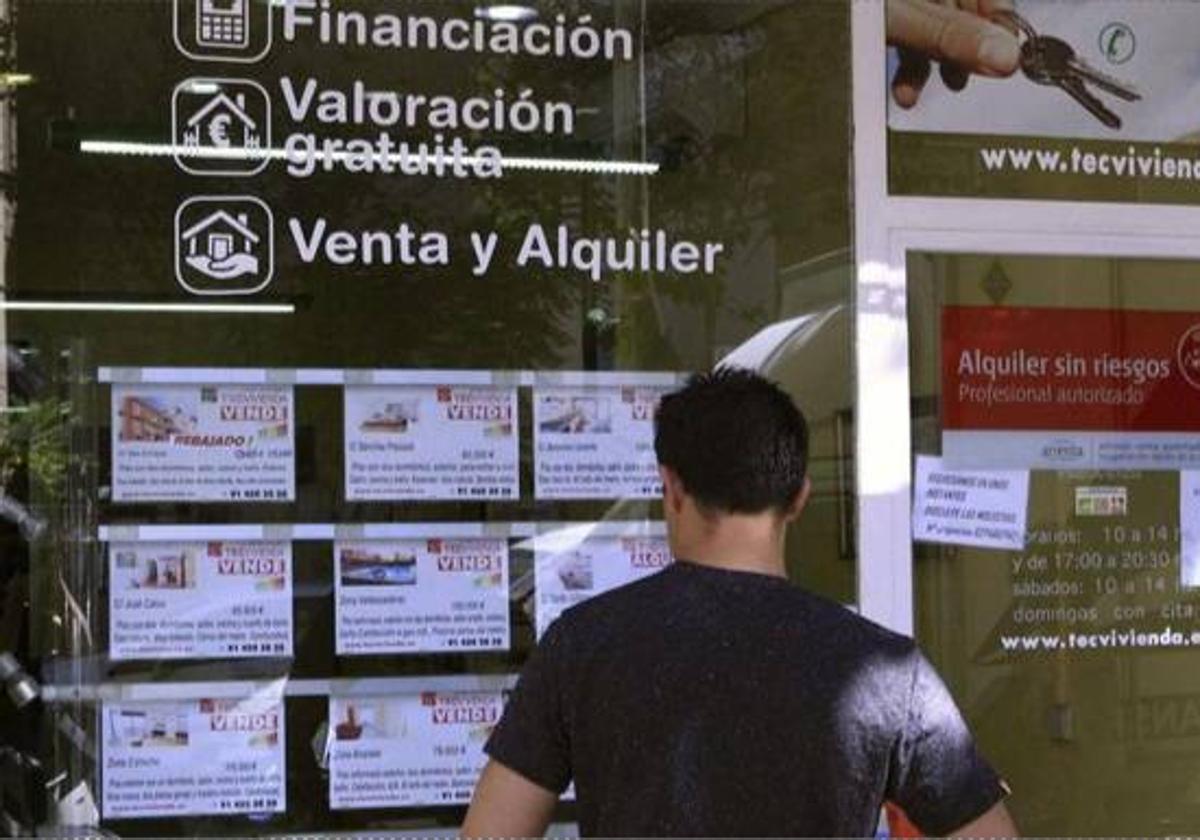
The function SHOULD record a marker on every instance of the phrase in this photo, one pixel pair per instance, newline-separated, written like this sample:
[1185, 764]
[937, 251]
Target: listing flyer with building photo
[225, 600]
[409, 750]
[421, 595]
[596, 442]
[1010, 136]
[431, 442]
[1051, 388]
[186, 758]
[569, 571]
[203, 443]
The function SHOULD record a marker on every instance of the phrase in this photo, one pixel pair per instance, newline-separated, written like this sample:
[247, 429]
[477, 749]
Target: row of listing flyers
[233, 599]
[222, 443]
[447, 443]
[222, 756]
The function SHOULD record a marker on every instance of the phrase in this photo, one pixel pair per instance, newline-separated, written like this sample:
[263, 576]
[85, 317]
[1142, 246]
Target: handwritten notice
[981, 509]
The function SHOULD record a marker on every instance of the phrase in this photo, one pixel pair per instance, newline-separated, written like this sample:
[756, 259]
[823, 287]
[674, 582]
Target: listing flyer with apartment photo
[203, 443]
[595, 443]
[570, 568]
[1051, 388]
[421, 595]
[409, 750]
[223, 600]
[177, 758]
[431, 442]
[1023, 136]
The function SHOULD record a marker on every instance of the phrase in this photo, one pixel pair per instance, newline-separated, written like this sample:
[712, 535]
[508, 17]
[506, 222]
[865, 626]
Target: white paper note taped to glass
[969, 508]
[1189, 528]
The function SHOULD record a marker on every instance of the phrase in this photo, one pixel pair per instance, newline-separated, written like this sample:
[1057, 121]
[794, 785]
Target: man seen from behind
[715, 698]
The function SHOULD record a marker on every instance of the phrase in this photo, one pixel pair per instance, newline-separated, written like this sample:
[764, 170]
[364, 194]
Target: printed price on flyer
[203, 443]
[569, 575]
[199, 600]
[193, 757]
[596, 443]
[422, 596]
[409, 750]
[431, 442]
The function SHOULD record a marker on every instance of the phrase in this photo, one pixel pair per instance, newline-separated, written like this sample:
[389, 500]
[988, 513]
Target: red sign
[1070, 369]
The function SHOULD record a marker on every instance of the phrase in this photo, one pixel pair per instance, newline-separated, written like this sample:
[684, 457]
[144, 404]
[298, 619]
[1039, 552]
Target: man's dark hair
[736, 440]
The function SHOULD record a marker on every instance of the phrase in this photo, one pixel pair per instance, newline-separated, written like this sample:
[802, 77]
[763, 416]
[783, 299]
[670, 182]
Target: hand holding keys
[1047, 60]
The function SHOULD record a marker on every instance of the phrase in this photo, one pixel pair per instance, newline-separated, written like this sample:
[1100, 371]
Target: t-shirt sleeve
[531, 737]
[938, 776]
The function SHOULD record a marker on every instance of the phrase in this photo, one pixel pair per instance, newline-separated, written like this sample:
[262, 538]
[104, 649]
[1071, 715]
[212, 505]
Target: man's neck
[734, 542]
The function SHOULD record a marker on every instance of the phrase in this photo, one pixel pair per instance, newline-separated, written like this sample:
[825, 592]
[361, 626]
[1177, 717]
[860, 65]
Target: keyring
[1023, 26]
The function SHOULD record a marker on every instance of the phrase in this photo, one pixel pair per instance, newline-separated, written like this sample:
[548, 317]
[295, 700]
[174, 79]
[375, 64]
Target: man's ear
[672, 488]
[799, 502]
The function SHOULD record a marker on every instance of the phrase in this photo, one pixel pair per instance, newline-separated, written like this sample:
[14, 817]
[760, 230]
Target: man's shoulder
[790, 609]
[850, 626]
[615, 604]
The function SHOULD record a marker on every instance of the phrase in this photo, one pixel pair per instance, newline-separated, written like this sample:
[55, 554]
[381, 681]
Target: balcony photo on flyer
[1088, 100]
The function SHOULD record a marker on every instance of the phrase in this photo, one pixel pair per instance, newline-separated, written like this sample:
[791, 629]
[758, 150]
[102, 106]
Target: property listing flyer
[595, 442]
[186, 758]
[421, 595]
[409, 750]
[569, 573]
[1004, 134]
[431, 442]
[199, 600]
[1050, 388]
[203, 443]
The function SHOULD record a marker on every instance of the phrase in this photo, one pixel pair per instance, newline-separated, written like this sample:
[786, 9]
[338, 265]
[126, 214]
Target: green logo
[1117, 43]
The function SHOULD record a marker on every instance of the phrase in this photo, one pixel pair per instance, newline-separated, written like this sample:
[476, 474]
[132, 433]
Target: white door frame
[886, 230]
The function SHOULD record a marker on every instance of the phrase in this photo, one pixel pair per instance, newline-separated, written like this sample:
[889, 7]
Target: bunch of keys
[1047, 60]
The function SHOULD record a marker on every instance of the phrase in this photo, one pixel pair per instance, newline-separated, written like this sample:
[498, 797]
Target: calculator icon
[223, 24]
[226, 31]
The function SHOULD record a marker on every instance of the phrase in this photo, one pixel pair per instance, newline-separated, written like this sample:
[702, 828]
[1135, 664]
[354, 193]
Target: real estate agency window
[335, 332]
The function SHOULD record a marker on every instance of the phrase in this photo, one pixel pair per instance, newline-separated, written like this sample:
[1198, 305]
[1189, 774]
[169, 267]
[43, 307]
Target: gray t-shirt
[702, 702]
